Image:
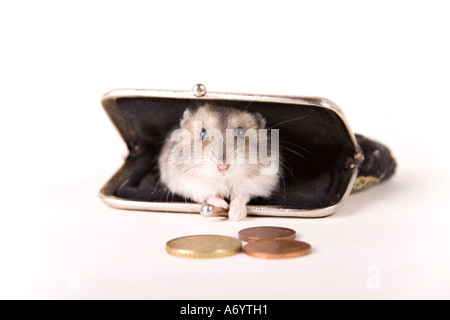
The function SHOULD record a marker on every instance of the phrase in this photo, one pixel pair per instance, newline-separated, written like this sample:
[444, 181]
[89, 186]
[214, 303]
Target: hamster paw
[217, 202]
[238, 210]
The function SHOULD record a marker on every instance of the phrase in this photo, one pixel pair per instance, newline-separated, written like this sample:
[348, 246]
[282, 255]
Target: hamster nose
[223, 167]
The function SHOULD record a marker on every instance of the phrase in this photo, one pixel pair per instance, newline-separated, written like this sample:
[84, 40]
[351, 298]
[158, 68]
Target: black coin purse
[325, 161]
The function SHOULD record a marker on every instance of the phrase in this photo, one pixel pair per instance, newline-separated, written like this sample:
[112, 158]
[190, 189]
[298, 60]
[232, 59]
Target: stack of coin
[273, 243]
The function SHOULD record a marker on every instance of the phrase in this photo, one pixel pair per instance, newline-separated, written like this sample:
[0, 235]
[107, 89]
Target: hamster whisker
[284, 185]
[298, 146]
[157, 182]
[285, 165]
[294, 152]
[248, 105]
[190, 168]
[158, 143]
[286, 121]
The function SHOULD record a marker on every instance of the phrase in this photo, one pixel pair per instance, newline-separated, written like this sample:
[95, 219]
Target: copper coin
[277, 249]
[262, 233]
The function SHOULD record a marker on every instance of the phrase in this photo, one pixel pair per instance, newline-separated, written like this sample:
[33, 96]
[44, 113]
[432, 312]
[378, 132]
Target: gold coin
[262, 233]
[203, 246]
[277, 249]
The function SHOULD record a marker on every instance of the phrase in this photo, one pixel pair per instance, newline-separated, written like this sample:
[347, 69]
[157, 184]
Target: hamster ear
[186, 116]
[261, 120]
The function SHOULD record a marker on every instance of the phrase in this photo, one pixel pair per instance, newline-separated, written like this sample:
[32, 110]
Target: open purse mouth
[319, 155]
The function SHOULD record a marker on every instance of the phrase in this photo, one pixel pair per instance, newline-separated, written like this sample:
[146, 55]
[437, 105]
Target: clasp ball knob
[199, 90]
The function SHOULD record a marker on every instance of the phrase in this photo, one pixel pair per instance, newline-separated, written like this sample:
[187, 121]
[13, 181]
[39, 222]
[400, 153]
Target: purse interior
[317, 150]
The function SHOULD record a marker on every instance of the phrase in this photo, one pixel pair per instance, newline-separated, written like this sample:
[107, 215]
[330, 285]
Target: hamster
[215, 155]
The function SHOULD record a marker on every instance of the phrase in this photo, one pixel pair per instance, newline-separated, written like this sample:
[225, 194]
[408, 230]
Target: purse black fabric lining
[316, 178]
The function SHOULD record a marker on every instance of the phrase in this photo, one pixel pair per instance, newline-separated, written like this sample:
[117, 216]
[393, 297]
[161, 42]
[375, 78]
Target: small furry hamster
[217, 159]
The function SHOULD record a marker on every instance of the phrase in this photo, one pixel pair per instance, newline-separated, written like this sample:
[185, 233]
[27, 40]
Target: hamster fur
[212, 177]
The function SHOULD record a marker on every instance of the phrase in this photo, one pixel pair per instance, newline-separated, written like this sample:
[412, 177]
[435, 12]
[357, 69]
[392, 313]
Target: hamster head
[220, 142]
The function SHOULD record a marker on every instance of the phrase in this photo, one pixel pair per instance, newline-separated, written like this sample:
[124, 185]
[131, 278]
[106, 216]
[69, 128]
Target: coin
[277, 249]
[261, 233]
[203, 246]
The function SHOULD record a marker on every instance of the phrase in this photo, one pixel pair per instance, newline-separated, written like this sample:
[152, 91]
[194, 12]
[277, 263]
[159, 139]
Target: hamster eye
[204, 135]
[240, 133]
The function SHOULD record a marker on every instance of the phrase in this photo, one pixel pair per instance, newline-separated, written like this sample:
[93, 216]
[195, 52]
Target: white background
[385, 63]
